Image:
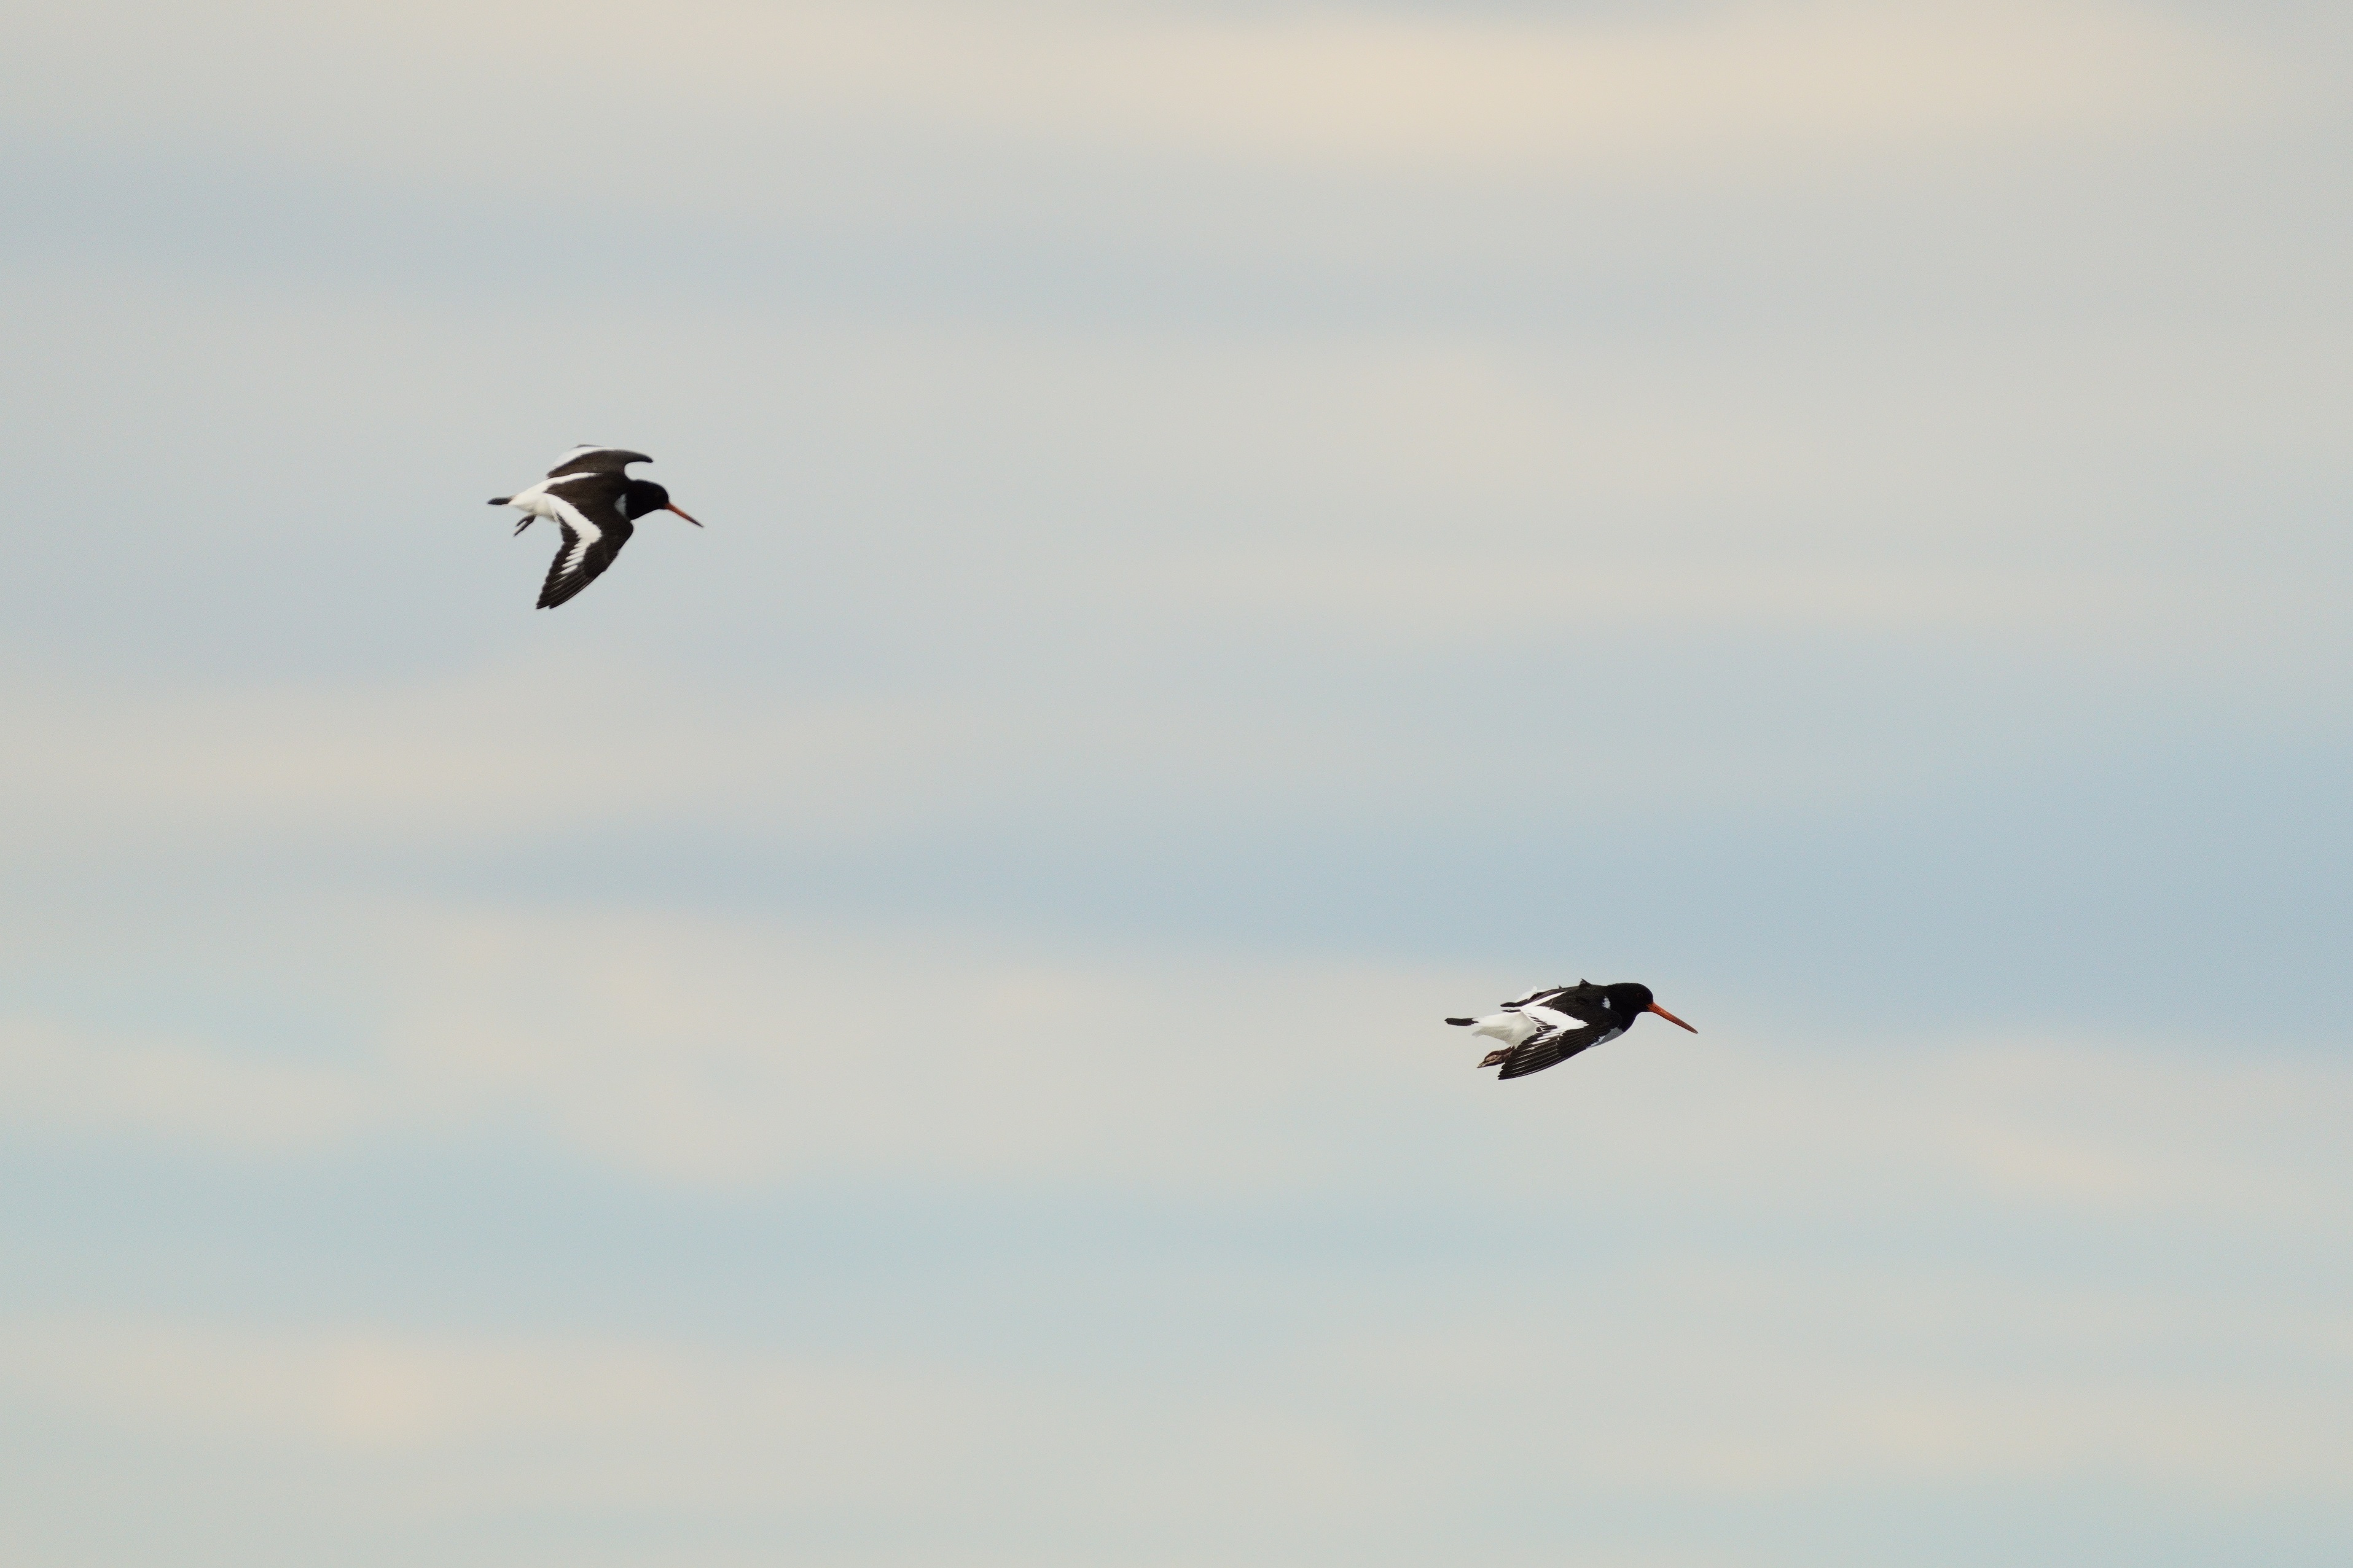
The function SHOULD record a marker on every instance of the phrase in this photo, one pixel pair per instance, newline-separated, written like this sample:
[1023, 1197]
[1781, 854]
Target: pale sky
[900, 1030]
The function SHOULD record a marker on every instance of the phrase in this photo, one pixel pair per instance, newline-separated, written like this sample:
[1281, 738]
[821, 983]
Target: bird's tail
[1461, 1023]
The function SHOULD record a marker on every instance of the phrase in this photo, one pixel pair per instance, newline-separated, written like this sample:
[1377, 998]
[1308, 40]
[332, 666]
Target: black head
[1630, 997]
[644, 496]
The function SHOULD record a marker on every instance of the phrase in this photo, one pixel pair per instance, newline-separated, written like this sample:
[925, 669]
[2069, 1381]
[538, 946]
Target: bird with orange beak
[1547, 1027]
[591, 498]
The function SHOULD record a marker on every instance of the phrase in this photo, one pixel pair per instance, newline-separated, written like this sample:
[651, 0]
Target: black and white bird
[1552, 1023]
[590, 496]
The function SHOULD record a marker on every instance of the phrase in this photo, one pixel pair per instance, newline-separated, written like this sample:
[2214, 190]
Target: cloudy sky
[900, 1030]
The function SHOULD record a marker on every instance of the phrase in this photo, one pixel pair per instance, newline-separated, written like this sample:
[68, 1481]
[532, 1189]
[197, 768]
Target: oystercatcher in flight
[1552, 1024]
[588, 495]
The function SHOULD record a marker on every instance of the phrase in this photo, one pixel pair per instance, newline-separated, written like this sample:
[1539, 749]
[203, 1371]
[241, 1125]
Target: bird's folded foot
[528, 519]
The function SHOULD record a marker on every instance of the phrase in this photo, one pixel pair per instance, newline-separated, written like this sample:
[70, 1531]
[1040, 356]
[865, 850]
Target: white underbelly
[1509, 1027]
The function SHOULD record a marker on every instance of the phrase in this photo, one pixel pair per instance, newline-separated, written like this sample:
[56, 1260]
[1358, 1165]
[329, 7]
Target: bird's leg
[528, 519]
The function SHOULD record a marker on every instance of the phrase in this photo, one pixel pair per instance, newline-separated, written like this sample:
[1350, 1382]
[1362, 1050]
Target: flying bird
[590, 496]
[1552, 1023]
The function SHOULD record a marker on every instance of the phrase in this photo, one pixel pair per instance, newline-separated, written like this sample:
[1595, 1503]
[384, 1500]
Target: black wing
[1554, 1046]
[1573, 1019]
[594, 461]
[594, 532]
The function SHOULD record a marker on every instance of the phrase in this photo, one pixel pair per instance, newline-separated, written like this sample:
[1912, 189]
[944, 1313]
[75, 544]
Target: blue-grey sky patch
[901, 1030]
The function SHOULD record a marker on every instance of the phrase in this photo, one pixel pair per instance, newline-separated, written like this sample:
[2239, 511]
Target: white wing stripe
[579, 533]
[576, 551]
[572, 517]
